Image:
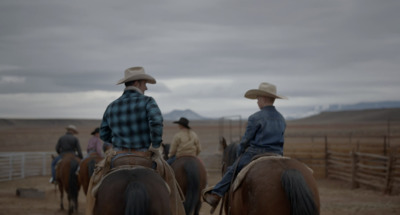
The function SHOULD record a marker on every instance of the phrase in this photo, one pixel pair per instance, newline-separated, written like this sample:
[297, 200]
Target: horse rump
[298, 193]
[132, 191]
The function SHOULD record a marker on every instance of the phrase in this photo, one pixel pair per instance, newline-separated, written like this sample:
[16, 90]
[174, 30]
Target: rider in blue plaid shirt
[133, 124]
[133, 121]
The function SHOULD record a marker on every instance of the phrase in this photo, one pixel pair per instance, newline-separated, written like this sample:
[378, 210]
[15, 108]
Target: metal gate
[18, 165]
[230, 127]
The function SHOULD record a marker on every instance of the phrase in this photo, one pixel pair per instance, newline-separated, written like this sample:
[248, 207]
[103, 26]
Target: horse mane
[230, 153]
[297, 191]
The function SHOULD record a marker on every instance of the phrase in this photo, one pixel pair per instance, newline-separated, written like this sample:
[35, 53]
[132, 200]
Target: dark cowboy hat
[97, 130]
[183, 121]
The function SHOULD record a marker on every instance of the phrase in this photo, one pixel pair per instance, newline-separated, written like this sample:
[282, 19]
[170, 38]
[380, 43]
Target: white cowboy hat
[265, 89]
[72, 127]
[136, 73]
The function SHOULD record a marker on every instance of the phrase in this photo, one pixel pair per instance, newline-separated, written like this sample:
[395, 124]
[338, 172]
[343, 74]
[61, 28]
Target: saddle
[132, 160]
[115, 161]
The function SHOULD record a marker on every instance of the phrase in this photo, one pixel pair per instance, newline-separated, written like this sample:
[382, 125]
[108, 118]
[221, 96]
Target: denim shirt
[265, 130]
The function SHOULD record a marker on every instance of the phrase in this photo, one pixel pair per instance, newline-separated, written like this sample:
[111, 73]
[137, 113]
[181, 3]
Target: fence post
[388, 187]
[384, 145]
[326, 156]
[44, 163]
[23, 165]
[354, 161]
[10, 170]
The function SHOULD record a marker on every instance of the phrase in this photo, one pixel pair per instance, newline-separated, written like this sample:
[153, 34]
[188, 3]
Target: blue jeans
[53, 166]
[223, 186]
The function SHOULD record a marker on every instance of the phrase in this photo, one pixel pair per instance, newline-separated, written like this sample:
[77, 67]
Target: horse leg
[70, 205]
[61, 196]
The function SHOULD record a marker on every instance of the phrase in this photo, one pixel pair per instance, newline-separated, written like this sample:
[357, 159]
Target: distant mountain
[299, 112]
[189, 114]
[364, 106]
[353, 116]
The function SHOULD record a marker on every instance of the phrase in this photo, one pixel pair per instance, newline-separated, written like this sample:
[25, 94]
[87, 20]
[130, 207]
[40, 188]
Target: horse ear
[222, 143]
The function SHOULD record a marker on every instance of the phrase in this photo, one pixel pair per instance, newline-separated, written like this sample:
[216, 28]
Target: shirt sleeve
[155, 123]
[197, 143]
[58, 147]
[174, 145]
[250, 133]
[105, 131]
[78, 149]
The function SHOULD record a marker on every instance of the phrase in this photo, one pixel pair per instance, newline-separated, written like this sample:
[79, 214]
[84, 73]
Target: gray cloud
[317, 53]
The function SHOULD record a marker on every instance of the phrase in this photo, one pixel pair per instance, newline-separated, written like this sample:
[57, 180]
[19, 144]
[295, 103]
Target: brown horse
[86, 169]
[272, 186]
[133, 191]
[68, 181]
[192, 178]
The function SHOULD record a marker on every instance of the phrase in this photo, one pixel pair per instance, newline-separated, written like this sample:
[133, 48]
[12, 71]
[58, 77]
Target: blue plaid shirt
[132, 121]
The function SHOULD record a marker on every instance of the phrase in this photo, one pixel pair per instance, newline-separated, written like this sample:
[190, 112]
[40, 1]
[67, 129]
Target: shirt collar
[133, 88]
[269, 107]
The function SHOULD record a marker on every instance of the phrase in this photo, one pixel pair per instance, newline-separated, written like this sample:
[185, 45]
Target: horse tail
[193, 186]
[73, 186]
[91, 166]
[298, 192]
[136, 199]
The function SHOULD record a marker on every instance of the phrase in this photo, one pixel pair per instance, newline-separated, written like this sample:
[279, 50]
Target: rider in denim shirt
[264, 133]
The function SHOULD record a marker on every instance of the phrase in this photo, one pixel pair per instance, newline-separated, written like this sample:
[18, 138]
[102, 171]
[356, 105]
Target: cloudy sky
[62, 59]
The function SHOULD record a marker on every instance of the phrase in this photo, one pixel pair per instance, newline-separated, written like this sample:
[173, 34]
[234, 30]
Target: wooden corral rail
[339, 166]
[18, 165]
[378, 171]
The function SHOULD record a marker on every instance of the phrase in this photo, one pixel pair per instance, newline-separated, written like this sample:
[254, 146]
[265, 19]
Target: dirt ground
[336, 198]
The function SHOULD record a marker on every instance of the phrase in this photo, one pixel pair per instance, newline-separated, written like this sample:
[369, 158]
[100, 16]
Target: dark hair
[129, 83]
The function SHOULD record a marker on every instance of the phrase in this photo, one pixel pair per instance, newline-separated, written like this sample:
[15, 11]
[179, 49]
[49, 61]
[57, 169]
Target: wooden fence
[370, 161]
[360, 160]
[18, 165]
[378, 171]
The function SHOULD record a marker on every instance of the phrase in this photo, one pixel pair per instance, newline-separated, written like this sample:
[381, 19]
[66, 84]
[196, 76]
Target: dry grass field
[304, 138]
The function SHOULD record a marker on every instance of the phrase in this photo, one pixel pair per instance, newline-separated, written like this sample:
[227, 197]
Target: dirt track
[336, 198]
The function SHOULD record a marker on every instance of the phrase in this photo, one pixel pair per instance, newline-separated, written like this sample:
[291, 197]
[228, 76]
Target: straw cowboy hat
[136, 73]
[265, 89]
[183, 121]
[72, 128]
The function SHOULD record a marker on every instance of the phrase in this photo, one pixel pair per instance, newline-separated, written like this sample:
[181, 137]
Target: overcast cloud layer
[62, 59]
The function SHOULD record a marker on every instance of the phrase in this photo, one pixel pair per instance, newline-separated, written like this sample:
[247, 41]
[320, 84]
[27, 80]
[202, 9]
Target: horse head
[165, 151]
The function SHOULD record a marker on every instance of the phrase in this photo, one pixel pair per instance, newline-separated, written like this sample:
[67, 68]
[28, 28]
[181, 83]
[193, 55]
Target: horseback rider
[95, 145]
[67, 143]
[133, 124]
[264, 134]
[184, 143]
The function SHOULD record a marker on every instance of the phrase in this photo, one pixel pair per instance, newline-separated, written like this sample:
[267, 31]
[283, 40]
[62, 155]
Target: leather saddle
[132, 160]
